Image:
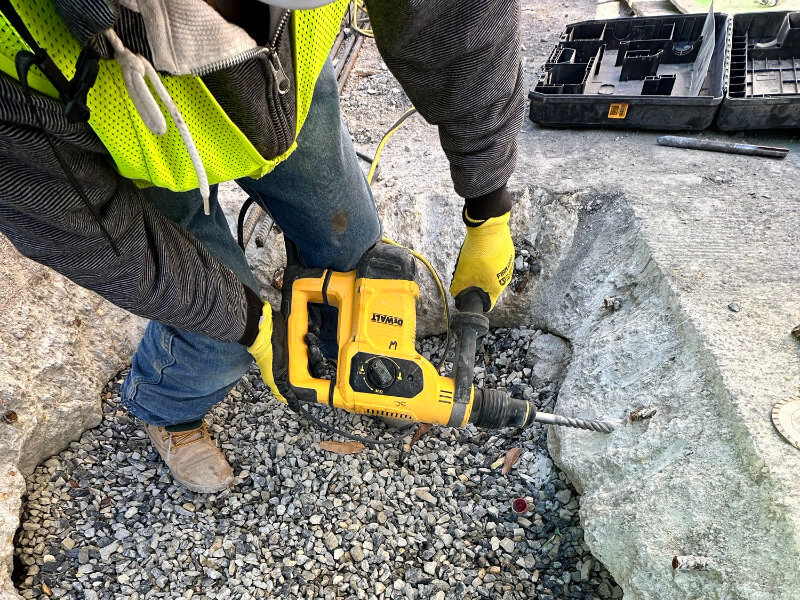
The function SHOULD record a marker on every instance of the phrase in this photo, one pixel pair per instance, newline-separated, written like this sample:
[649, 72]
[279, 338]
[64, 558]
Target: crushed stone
[433, 522]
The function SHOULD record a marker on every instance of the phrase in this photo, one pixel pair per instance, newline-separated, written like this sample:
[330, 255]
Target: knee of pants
[341, 251]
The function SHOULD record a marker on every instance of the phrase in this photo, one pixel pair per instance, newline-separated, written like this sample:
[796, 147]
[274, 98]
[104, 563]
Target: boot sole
[202, 489]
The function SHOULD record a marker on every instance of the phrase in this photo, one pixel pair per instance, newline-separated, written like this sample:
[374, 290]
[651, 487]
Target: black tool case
[634, 73]
[764, 83]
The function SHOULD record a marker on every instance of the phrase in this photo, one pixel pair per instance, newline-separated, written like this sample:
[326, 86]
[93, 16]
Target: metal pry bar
[603, 426]
[677, 141]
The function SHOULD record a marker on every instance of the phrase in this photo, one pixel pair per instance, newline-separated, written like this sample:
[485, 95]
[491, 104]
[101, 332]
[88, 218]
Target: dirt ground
[372, 99]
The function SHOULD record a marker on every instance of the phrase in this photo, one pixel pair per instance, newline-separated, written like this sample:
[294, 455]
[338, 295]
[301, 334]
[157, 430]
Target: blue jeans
[319, 198]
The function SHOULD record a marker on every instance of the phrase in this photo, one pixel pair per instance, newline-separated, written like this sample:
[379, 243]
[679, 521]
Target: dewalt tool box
[677, 72]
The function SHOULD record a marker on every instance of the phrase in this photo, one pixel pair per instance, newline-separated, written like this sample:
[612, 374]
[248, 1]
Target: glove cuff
[484, 207]
[254, 307]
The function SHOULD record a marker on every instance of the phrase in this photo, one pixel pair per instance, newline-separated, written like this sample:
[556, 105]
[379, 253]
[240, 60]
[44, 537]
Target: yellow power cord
[370, 176]
[355, 6]
[384, 139]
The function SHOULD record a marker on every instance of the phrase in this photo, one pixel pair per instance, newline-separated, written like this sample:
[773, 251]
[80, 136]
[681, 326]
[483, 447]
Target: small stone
[642, 413]
[280, 451]
[430, 568]
[564, 496]
[586, 569]
[425, 495]
[413, 575]
[68, 543]
[507, 545]
[734, 307]
[331, 541]
[107, 551]
[357, 553]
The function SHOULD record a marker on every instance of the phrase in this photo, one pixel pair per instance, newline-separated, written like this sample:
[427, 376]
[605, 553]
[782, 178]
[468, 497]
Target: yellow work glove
[486, 260]
[271, 353]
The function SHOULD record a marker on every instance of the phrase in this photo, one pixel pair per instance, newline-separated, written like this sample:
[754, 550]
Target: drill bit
[603, 426]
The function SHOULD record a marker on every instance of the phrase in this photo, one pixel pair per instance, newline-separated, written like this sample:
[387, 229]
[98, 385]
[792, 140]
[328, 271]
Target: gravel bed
[104, 519]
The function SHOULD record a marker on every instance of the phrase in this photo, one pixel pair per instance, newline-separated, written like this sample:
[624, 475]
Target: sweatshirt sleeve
[161, 272]
[459, 61]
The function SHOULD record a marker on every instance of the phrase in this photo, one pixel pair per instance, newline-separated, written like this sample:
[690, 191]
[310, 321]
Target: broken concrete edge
[30, 454]
[695, 343]
[12, 488]
[55, 368]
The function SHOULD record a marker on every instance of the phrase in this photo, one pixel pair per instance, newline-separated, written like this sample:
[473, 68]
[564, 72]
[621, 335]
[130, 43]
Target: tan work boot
[193, 458]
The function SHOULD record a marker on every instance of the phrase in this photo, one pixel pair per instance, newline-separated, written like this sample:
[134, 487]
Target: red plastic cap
[520, 505]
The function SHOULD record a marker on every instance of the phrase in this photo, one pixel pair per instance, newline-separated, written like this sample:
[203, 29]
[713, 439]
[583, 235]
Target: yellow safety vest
[162, 160]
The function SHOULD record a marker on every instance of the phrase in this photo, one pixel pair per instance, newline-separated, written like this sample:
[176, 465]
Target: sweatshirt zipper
[282, 83]
[280, 80]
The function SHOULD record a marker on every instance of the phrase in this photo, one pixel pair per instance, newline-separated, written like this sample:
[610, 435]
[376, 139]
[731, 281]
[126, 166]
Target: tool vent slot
[388, 413]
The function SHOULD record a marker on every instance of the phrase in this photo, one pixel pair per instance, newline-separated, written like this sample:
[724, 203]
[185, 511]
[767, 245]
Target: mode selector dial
[380, 373]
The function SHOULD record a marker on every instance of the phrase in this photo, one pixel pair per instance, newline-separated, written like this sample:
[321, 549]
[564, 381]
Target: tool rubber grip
[469, 324]
[494, 409]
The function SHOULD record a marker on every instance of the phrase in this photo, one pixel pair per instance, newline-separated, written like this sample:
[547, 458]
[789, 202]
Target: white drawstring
[134, 70]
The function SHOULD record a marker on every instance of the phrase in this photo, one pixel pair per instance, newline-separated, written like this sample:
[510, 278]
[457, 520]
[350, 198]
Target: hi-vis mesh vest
[163, 160]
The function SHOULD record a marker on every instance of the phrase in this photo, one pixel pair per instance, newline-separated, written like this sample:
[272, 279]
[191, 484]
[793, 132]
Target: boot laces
[179, 439]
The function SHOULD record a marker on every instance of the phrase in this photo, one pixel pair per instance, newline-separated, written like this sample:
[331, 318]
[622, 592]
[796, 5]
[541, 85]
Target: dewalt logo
[387, 319]
[504, 276]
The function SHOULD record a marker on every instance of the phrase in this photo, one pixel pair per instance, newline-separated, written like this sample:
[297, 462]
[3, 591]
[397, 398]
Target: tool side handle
[469, 324]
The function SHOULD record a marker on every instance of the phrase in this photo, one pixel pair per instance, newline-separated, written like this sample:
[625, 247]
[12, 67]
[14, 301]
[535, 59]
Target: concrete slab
[709, 475]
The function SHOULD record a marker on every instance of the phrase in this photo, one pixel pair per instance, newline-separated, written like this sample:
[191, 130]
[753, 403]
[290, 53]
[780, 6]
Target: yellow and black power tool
[379, 371]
